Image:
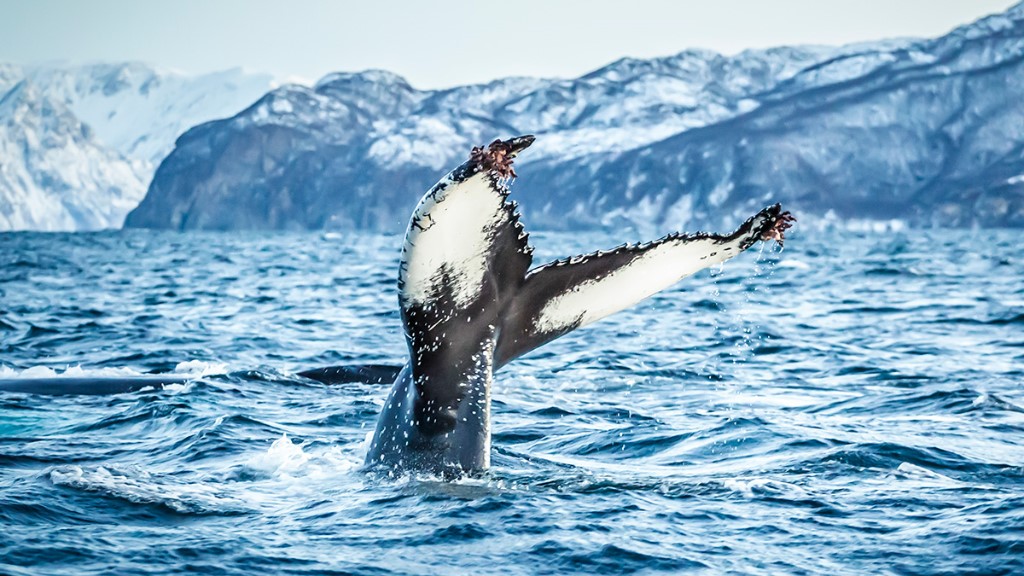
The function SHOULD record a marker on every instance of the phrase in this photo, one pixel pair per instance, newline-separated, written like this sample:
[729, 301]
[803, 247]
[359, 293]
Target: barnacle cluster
[497, 158]
[777, 232]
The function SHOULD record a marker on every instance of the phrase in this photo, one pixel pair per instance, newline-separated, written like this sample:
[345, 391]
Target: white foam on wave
[283, 457]
[140, 487]
[287, 472]
[796, 264]
[756, 487]
[310, 473]
[288, 461]
[200, 368]
[67, 372]
[175, 389]
[193, 368]
[367, 442]
[909, 471]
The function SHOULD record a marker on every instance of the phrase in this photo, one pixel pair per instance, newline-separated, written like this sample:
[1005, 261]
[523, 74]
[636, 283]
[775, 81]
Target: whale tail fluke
[470, 302]
[561, 296]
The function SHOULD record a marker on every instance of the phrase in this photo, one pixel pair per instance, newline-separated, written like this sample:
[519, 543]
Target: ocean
[853, 404]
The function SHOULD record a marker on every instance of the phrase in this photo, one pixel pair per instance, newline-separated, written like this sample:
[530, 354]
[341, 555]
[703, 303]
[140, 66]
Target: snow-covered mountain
[922, 132]
[54, 175]
[357, 149]
[79, 144]
[919, 132]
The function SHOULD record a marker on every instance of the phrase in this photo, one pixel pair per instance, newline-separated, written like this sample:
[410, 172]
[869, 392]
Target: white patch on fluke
[649, 273]
[451, 232]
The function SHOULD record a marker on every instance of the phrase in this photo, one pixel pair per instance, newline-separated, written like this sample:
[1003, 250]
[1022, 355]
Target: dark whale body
[90, 386]
[107, 385]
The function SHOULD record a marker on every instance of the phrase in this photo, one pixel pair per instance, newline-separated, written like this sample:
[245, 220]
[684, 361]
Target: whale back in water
[90, 385]
[61, 385]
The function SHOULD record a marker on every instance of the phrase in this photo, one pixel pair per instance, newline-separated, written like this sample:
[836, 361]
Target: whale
[471, 301]
[83, 385]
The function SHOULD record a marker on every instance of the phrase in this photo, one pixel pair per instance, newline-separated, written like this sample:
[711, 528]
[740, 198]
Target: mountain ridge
[914, 131]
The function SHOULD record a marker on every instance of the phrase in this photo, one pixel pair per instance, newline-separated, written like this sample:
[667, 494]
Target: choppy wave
[852, 405]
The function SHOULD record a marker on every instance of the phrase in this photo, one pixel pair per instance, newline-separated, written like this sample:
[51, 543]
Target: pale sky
[446, 43]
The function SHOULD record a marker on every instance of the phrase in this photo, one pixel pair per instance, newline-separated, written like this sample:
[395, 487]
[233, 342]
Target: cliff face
[930, 133]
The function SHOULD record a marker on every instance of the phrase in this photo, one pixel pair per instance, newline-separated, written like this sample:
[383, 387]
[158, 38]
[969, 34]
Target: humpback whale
[471, 301]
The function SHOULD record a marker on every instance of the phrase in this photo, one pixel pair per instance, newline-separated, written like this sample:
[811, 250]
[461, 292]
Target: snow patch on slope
[79, 144]
[54, 174]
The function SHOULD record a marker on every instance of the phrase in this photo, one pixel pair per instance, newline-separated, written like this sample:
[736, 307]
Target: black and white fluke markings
[470, 303]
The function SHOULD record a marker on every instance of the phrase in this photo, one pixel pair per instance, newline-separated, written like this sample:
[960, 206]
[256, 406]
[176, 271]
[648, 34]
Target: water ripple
[849, 406]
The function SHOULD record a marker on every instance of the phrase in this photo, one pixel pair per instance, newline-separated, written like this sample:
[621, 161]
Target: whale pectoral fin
[561, 296]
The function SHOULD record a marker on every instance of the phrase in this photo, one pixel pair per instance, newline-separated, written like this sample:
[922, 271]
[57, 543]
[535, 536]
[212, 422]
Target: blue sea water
[851, 405]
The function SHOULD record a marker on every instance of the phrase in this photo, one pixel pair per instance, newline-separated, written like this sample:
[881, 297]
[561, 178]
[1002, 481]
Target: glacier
[79, 143]
[54, 175]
